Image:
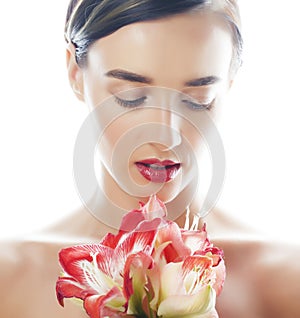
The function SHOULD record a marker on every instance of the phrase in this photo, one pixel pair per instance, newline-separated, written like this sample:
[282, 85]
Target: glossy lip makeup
[158, 171]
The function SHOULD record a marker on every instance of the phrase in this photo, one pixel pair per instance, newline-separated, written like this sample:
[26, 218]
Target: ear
[75, 73]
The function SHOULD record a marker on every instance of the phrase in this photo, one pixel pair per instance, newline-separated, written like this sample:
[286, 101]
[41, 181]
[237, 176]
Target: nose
[166, 136]
[167, 127]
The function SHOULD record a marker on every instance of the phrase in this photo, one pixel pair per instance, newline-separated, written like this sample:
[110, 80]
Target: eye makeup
[194, 99]
[130, 103]
[197, 106]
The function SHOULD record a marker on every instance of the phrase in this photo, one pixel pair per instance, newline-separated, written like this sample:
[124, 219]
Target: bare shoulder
[24, 255]
[263, 272]
[263, 275]
[279, 275]
[9, 265]
[17, 258]
[29, 269]
[26, 268]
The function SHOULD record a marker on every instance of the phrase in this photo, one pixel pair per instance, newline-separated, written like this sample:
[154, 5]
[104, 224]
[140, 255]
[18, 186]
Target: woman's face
[153, 86]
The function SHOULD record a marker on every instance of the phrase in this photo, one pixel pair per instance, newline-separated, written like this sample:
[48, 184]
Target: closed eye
[130, 103]
[198, 106]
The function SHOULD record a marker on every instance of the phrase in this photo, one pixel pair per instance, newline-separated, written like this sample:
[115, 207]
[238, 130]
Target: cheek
[127, 132]
[193, 136]
[94, 87]
[195, 128]
[114, 135]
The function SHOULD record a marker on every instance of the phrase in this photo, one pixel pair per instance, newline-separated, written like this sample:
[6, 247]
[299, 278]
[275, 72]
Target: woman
[153, 74]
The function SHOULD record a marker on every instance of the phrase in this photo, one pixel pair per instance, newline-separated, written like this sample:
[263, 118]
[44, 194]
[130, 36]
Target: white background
[40, 118]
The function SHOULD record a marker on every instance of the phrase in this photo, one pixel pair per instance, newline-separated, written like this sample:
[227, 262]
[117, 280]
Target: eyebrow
[133, 77]
[208, 80]
[129, 76]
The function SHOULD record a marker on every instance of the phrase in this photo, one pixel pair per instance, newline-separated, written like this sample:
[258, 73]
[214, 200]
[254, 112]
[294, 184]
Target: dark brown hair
[89, 20]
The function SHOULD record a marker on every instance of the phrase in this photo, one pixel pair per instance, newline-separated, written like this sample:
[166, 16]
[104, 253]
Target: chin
[169, 192]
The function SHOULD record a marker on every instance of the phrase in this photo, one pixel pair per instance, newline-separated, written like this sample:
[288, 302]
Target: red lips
[158, 171]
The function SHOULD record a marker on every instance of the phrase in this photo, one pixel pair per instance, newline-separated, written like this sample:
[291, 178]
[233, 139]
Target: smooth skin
[263, 278]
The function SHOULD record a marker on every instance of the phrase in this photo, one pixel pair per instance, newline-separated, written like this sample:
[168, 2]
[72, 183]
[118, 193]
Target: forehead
[192, 43]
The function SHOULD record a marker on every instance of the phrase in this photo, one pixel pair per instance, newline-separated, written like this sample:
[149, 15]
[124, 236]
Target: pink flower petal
[195, 240]
[96, 306]
[136, 265]
[71, 259]
[67, 287]
[152, 225]
[198, 263]
[111, 240]
[131, 220]
[154, 208]
[132, 244]
[209, 274]
[176, 250]
[220, 272]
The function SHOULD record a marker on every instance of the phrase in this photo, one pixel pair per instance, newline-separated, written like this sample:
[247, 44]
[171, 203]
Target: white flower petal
[172, 280]
[188, 305]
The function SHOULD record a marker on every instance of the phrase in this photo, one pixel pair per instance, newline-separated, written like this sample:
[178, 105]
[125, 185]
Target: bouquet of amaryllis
[150, 268]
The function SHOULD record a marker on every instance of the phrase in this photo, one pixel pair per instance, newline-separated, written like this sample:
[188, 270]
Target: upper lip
[157, 162]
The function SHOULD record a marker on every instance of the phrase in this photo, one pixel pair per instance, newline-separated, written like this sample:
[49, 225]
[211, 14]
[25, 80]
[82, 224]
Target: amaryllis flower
[150, 268]
[94, 273]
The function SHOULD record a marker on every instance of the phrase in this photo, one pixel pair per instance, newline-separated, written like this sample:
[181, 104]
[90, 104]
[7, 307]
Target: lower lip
[158, 174]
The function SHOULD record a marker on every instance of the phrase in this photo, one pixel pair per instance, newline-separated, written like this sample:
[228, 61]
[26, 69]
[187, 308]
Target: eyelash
[139, 101]
[130, 103]
[197, 106]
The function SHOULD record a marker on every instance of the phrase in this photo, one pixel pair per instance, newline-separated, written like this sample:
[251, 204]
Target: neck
[103, 212]
[110, 197]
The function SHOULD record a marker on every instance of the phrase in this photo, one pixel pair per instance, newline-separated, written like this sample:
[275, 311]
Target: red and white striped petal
[133, 243]
[73, 258]
[101, 306]
[176, 250]
[68, 287]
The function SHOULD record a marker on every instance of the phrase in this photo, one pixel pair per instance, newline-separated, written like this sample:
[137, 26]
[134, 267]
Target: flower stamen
[93, 275]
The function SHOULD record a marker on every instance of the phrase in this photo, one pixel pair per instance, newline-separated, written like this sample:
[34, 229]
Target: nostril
[168, 148]
[163, 135]
[159, 146]
[168, 144]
